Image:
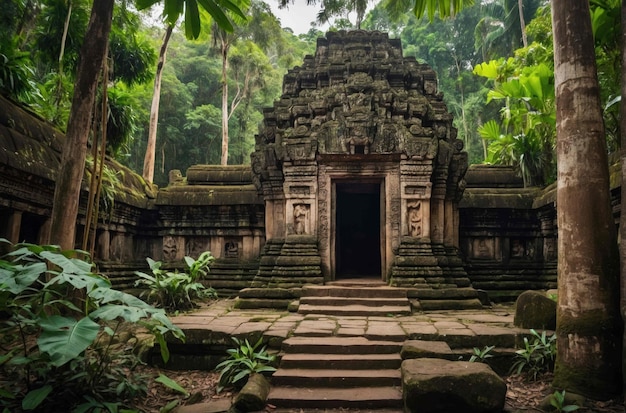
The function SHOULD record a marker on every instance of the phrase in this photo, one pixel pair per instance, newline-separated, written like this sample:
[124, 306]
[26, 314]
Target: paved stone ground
[465, 328]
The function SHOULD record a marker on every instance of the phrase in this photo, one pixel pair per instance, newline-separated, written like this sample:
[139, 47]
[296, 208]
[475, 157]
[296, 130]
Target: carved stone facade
[357, 171]
[358, 161]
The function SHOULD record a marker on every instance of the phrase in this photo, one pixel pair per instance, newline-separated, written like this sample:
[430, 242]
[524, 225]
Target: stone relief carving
[483, 248]
[170, 248]
[414, 218]
[231, 248]
[301, 219]
[196, 246]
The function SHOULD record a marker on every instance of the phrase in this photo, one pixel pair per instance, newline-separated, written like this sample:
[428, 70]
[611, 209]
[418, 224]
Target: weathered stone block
[435, 385]
[534, 310]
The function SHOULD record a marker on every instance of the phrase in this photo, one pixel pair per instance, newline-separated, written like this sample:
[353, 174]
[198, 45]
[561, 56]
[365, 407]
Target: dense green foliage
[69, 341]
[500, 91]
[174, 290]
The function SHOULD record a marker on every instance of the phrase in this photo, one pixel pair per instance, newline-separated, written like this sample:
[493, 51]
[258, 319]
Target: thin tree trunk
[70, 175]
[588, 322]
[622, 223]
[522, 22]
[148, 161]
[224, 52]
[59, 89]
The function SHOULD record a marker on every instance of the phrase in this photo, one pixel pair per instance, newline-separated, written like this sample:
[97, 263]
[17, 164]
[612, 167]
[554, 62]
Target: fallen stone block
[438, 386]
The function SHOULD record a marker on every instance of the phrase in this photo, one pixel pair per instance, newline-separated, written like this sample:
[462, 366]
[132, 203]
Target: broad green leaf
[192, 19]
[64, 339]
[217, 14]
[108, 295]
[21, 277]
[34, 397]
[489, 130]
[113, 311]
[487, 69]
[169, 383]
[144, 4]
[72, 265]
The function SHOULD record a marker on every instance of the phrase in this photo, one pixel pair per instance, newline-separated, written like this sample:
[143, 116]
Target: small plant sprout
[537, 356]
[557, 400]
[481, 356]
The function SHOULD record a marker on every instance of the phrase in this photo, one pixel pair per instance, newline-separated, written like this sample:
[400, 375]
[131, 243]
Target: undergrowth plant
[557, 400]
[244, 360]
[536, 357]
[175, 290]
[481, 356]
[67, 339]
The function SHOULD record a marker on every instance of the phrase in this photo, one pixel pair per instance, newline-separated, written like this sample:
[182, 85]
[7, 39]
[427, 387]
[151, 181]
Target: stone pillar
[14, 225]
[103, 251]
[415, 265]
[44, 232]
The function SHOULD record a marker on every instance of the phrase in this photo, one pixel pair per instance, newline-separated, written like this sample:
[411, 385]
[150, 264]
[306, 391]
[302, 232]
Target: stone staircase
[354, 299]
[338, 372]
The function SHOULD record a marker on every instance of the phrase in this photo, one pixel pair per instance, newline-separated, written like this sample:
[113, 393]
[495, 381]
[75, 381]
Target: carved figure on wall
[549, 249]
[484, 248]
[414, 218]
[517, 249]
[170, 248]
[300, 217]
[359, 139]
[231, 249]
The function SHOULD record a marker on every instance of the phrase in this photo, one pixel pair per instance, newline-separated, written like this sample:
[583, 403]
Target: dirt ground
[522, 395]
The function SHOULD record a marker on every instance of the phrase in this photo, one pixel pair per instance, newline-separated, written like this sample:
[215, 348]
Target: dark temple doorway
[357, 237]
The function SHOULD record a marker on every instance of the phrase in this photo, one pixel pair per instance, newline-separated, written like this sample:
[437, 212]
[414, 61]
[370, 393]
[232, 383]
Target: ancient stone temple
[360, 171]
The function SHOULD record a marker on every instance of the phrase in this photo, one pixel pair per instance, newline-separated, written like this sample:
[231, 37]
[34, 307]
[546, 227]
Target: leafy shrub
[481, 356]
[536, 357]
[244, 360]
[174, 290]
[61, 325]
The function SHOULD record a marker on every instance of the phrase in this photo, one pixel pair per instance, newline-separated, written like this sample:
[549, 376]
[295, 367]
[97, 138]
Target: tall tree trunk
[622, 222]
[148, 161]
[588, 322]
[224, 53]
[70, 175]
[522, 22]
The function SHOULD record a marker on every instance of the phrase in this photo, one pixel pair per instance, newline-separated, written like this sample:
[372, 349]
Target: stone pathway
[463, 328]
[212, 328]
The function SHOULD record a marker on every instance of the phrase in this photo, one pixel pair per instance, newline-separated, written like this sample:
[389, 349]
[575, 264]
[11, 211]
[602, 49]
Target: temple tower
[360, 170]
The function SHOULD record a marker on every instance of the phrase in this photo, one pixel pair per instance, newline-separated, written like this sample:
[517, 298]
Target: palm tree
[503, 29]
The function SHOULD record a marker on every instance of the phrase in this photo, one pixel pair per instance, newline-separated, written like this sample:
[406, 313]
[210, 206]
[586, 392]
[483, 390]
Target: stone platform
[209, 329]
[296, 338]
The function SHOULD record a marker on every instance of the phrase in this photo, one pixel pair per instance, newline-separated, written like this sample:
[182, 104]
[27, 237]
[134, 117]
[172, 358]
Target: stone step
[355, 310]
[339, 345]
[341, 378]
[353, 291]
[333, 398]
[341, 361]
[450, 304]
[342, 301]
